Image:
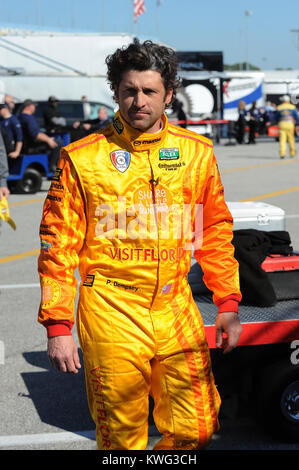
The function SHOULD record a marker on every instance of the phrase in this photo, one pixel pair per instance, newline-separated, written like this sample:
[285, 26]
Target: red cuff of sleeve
[229, 304]
[58, 329]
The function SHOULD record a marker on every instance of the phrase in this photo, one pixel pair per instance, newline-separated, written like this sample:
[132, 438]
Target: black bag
[258, 287]
[251, 249]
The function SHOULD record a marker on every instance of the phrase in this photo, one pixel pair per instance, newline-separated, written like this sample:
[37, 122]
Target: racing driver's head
[143, 77]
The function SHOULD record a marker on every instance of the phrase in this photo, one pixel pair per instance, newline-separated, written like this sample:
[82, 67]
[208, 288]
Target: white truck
[37, 65]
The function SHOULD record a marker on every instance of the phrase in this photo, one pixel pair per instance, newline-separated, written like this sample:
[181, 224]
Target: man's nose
[139, 99]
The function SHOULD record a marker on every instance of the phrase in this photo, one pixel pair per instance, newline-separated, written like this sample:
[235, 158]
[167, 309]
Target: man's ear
[115, 97]
[168, 97]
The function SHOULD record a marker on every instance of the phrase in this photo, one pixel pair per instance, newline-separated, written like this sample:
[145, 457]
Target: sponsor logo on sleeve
[54, 198]
[56, 187]
[57, 174]
[45, 246]
[51, 292]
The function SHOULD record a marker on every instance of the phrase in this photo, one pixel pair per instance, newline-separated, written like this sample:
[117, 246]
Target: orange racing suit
[123, 206]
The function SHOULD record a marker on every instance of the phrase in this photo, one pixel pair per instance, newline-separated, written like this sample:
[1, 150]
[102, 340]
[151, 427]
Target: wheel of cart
[31, 181]
[26, 173]
[278, 400]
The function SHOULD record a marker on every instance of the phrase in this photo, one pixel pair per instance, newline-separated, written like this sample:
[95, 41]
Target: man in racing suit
[287, 118]
[125, 205]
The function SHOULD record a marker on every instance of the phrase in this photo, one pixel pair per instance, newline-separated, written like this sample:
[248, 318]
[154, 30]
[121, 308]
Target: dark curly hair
[144, 56]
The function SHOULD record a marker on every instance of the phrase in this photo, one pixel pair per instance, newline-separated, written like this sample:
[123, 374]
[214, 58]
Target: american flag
[166, 289]
[139, 8]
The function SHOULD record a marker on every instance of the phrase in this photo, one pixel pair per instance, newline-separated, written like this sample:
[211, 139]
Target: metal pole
[73, 15]
[158, 19]
[38, 13]
[103, 16]
[246, 42]
[247, 14]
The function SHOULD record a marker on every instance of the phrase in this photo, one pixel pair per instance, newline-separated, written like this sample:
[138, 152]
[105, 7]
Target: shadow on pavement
[60, 399]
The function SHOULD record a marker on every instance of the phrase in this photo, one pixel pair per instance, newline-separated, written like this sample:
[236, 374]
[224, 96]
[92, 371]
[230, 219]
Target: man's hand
[227, 323]
[63, 354]
[52, 143]
[14, 154]
[42, 137]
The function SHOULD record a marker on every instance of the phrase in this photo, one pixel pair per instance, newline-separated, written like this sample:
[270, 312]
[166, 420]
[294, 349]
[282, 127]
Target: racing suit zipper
[154, 183]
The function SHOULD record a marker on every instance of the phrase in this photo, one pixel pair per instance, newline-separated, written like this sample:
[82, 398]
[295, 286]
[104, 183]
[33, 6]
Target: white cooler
[256, 215]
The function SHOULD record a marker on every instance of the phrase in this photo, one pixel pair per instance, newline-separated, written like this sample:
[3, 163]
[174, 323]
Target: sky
[262, 37]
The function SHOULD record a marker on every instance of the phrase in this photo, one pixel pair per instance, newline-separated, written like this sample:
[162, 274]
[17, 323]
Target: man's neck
[159, 129]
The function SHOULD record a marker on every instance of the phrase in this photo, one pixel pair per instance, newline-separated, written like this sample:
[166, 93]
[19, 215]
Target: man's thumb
[219, 337]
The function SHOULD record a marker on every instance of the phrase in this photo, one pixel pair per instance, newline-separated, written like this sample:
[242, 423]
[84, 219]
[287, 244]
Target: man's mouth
[138, 113]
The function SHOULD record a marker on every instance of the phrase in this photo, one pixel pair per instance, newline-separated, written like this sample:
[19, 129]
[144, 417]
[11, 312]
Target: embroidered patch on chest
[121, 160]
[169, 154]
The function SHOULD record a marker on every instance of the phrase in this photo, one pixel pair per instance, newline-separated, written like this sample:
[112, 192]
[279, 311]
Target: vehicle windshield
[94, 109]
[71, 110]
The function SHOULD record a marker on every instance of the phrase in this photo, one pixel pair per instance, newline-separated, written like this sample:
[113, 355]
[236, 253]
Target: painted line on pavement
[28, 201]
[46, 438]
[18, 286]
[276, 193]
[259, 165]
[6, 259]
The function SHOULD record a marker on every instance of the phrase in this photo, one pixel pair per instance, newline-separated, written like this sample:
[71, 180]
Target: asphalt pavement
[42, 409]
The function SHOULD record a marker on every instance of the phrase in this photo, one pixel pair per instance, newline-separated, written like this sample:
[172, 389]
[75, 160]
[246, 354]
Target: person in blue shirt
[12, 131]
[34, 140]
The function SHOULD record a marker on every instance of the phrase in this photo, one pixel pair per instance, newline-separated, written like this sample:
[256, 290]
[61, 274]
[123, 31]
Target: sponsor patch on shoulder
[118, 125]
[121, 160]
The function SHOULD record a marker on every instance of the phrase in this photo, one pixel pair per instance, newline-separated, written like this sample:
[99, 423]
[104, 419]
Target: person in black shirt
[54, 121]
[253, 122]
[180, 113]
[241, 122]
